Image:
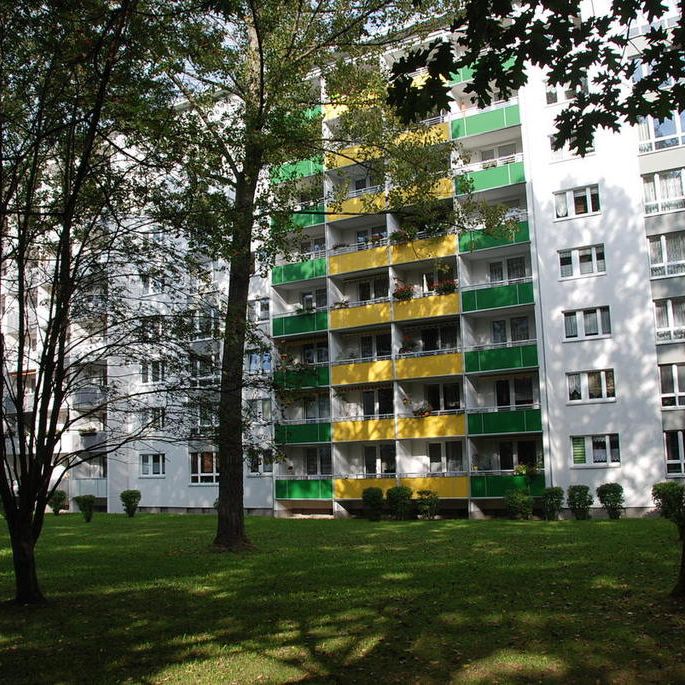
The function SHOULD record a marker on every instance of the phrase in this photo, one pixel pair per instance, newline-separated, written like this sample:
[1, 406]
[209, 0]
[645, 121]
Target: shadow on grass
[351, 602]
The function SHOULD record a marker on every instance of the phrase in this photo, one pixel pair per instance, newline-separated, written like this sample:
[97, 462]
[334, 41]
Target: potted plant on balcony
[422, 409]
[400, 236]
[408, 345]
[402, 293]
[445, 286]
[339, 246]
[342, 303]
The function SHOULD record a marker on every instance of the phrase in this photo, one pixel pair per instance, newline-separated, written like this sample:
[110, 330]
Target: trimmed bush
[519, 505]
[552, 501]
[669, 498]
[579, 500]
[58, 501]
[372, 498]
[130, 499]
[86, 504]
[427, 503]
[610, 496]
[399, 502]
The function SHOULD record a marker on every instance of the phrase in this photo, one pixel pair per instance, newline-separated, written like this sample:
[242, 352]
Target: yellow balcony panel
[352, 488]
[351, 155]
[358, 260]
[448, 487]
[426, 307]
[444, 188]
[367, 203]
[429, 366]
[333, 111]
[441, 426]
[365, 315]
[438, 133]
[369, 429]
[428, 248]
[362, 372]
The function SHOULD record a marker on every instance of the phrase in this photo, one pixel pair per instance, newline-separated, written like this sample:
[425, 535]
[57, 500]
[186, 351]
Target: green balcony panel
[497, 296]
[497, 177]
[300, 271]
[313, 112]
[310, 217]
[302, 433]
[480, 240]
[461, 75]
[514, 421]
[486, 122]
[314, 377]
[296, 324]
[497, 486]
[501, 358]
[293, 170]
[304, 489]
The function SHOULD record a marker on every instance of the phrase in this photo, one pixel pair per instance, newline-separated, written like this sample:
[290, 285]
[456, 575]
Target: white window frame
[378, 469]
[667, 267]
[579, 315]
[152, 371]
[565, 153]
[661, 204]
[575, 253]
[204, 370]
[441, 393]
[443, 456]
[210, 315]
[154, 417]
[199, 477]
[579, 380]
[261, 462]
[679, 462]
[376, 403]
[678, 394]
[260, 409]
[257, 312]
[263, 365]
[147, 462]
[588, 452]
[650, 142]
[567, 197]
[561, 93]
[318, 452]
[670, 333]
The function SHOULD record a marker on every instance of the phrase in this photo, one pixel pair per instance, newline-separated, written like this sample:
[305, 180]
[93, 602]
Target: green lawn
[143, 600]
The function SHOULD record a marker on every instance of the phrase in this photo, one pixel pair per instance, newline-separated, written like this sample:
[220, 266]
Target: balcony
[512, 355]
[10, 406]
[310, 216]
[359, 371]
[352, 486]
[294, 170]
[496, 173]
[447, 487]
[434, 131]
[354, 154]
[358, 257]
[487, 296]
[426, 307]
[475, 121]
[669, 335]
[429, 364]
[366, 201]
[436, 425]
[297, 324]
[297, 487]
[300, 271]
[497, 485]
[498, 420]
[87, 486]
[88, 397]
[361, 314]
[302, 432]
[471, 241]
[307, 376]
[364, 428]
[422, 249]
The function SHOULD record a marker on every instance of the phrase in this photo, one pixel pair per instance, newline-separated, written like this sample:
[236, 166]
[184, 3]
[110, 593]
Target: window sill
[572, 159]
[586, 338]
[259, 475]
[614, 465]
[558, 219]
[204, 485]
[152, 477]
[602, 400]
[676, 408]
[562, 279]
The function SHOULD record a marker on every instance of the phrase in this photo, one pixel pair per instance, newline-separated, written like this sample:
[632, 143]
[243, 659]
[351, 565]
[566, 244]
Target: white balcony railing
[497, 284]
[671, 204]
[500, 345]
[665, 335]
[491, 163]
[503, 407]
[87, 486]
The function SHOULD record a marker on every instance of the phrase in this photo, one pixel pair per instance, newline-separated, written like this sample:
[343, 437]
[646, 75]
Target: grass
[144, 600]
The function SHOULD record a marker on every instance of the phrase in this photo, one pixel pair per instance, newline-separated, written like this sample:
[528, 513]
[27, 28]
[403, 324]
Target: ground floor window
[379, 459]
[204, 467]
[675, 452]
[318, 461]
[597, 450]
[152, 465]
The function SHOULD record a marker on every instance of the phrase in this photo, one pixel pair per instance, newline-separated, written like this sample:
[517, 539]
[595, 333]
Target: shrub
[86, 504]
[610, 496]
[130, 499]
[669, 498]
[579, 500]
[58, 501]
[427, 502]
[519, 505]
[372, 498]
[399, 502]
[552, 501]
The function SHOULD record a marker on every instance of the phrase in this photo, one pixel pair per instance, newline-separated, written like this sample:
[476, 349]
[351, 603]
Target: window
[152, 371]
[258, 310]
[154, 417]
[373, 288]
[430, 339]
[151, 285]
[445, 457]
[582, 261]
[318, 461]
[152, 465]
[585, 386]
[95, 467]
[670, 319]
[379, 459]
[664, 191]
[576, 202]
[443, 396]
[258, 362]
[378, 402]
[203, 369]
[512, 453]
[313, 299]
[507, 270]
[672, 385]
[555, 94]
[564, 152]
[520, 388]
[660, 134]
[518, 327]
[675, 453]
[260, 460]
[259, 410]
[309, 247]
[315, 353]
[204, 467]
[667, 254]
[595, 450]
[587, 323]
[317, 407]
[206, 324]
[205, 419]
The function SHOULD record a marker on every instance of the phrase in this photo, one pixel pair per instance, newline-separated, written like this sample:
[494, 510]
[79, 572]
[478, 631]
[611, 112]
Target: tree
[252, 104]
[76, 78]
[623, 63]
[669, 498]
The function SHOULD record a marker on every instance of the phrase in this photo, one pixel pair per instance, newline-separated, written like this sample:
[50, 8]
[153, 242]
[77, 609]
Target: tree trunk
[23, 548]
[679, 589]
